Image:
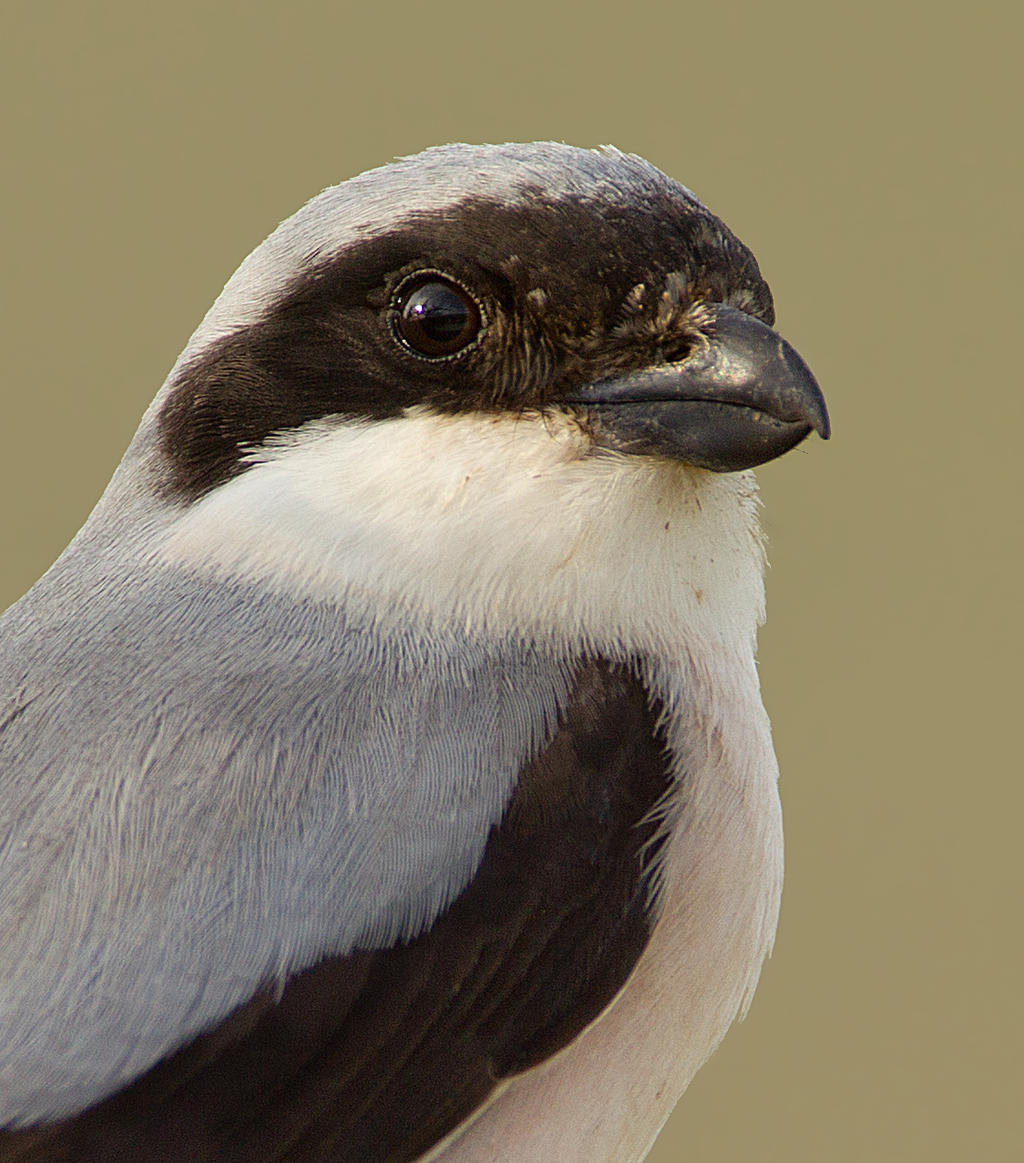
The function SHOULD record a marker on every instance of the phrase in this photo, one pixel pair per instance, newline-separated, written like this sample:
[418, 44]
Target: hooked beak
[743, 397]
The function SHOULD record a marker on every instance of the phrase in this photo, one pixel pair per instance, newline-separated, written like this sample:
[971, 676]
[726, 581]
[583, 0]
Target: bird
[384, 774]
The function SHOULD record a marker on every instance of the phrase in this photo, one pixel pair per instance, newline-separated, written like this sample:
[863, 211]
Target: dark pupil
[436, 320]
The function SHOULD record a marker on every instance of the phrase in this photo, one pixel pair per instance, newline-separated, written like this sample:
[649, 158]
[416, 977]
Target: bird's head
[473, 384]
[471, 280]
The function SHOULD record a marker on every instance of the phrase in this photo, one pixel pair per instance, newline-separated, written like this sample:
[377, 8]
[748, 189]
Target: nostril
[676, 348]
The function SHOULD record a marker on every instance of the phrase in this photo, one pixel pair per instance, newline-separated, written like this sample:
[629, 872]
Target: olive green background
[870, 156]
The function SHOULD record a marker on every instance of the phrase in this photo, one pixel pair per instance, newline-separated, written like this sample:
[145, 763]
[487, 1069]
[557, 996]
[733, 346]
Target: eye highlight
[434, 317]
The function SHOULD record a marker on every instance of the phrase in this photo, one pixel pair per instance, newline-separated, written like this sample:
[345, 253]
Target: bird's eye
[434, 317]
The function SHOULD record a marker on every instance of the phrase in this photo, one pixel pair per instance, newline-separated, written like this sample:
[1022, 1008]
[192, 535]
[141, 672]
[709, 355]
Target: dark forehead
[590, 246]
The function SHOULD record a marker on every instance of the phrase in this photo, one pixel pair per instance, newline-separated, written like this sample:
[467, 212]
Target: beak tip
[796, 378]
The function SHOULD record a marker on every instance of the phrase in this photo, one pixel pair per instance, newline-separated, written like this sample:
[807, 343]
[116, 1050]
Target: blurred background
[870, 155]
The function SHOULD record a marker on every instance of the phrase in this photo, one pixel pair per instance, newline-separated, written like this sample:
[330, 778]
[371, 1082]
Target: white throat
[506, 525]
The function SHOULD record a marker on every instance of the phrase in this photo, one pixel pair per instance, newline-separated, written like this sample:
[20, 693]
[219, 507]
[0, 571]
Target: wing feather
[380, 1054]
